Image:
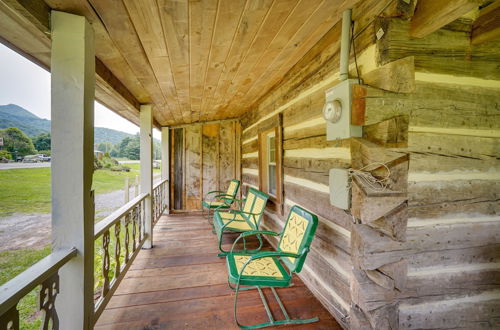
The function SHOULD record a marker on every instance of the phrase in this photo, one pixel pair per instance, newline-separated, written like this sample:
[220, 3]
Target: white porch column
[72, 92]
[165, 163]
[146, 118]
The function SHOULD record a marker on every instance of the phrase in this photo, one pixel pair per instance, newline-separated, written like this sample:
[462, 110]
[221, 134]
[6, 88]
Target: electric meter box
[340, 188]
[337, 112]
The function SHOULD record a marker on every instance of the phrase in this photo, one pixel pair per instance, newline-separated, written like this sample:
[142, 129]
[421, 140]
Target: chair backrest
[232, 190]
[255, 203]
[297, 235]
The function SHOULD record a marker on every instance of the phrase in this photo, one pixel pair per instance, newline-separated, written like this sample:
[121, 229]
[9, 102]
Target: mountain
[12, 115]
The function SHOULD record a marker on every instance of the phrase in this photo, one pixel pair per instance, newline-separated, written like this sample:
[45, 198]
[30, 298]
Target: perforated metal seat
[267, 268]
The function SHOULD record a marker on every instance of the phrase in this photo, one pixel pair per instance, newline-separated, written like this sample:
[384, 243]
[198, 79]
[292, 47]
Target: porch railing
[118, 239]
[125, 225]
[160, 191]
[44, 274]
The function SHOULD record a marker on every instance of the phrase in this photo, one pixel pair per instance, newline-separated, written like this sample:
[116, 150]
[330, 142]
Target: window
[270, 162]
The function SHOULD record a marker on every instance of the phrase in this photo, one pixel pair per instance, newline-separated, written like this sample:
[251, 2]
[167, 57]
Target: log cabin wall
[205, 157]
[426, 252]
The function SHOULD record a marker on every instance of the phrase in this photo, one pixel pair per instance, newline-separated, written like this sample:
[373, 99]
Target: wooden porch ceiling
[194, 60]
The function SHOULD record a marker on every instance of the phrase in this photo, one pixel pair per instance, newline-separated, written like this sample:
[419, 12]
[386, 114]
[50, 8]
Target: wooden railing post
[127, 191]
[146, 119]
[72, 98]
[165, 162]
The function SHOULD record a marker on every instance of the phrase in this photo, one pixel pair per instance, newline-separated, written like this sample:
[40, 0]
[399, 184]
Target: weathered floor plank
[182, 284]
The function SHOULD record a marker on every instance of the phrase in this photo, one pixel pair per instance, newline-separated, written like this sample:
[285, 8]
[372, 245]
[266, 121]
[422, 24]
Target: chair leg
[271, 321]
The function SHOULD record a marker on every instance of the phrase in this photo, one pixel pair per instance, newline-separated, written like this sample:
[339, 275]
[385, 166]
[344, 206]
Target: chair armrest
[214, 192]
[224, 196]
[250, 233]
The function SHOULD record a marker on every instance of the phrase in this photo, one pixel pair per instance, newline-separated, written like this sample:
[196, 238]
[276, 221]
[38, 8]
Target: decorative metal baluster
[48, 294]
[134, 226]
[127, 222]
[10, 319]
[139, 220]
[117, 249]
[105, 262]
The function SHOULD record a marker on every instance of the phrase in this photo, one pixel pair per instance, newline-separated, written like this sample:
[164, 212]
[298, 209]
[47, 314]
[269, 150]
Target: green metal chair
[245, 219]
[222, 199]
[265, 269]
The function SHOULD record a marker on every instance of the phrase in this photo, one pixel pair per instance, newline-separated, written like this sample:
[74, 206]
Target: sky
[24, 83]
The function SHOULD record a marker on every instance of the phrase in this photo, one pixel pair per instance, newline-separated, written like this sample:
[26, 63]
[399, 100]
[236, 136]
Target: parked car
[33, 159]
[44, 158]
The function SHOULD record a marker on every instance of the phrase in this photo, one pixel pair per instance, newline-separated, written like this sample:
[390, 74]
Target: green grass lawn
[12, 263]
[27, 190]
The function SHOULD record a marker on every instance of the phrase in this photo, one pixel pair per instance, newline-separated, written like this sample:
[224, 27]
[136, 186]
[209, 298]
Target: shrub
[5, 154]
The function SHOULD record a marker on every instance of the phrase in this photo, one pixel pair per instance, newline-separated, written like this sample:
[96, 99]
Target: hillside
[12, 115]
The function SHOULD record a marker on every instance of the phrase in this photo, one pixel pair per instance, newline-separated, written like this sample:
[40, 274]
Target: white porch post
[165, 164]
[72, 92]
[146, 118]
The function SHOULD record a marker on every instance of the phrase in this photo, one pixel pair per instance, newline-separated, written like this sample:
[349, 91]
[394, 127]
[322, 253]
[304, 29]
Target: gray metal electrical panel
[340, 189]
[337, 112]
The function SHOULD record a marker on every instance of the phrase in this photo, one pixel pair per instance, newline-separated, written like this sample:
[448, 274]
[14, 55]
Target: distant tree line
[18, 144]
[129, 147]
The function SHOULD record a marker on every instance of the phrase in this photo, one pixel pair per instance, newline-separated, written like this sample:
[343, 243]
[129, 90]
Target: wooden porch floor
[182, 284]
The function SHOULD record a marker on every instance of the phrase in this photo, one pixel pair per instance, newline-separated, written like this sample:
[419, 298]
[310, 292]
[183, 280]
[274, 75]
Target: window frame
[275, 200]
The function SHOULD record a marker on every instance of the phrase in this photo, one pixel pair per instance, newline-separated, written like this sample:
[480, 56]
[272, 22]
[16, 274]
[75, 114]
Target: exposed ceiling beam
[431, 15]
[37, 14]
[487, 26]
[34, 11]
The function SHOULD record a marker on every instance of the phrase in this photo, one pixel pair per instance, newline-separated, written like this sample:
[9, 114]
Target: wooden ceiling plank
[293, 24]
[251, 23]
[106, 50]
[27, 38]
[277, 16]
[202, 15]
[122, 32]
[230, 13]
[487, 26]
[174, 21]
[431, 15]
[318, 24]
[288, 28]
[146, 19]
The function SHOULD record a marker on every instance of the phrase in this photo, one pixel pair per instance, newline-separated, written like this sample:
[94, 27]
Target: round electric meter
[332, 111]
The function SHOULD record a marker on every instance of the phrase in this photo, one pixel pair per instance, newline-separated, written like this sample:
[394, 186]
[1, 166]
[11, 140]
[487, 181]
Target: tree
[16, 142]
[123, 145]
[105, 146]
[42, 141]
[133, 149]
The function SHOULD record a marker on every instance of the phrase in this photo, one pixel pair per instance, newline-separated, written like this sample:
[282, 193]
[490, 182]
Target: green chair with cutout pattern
[219, 199]
[247, 218]
[267, 268]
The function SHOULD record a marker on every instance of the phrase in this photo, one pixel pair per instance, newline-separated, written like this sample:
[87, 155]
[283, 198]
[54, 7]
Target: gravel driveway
[10, 166]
